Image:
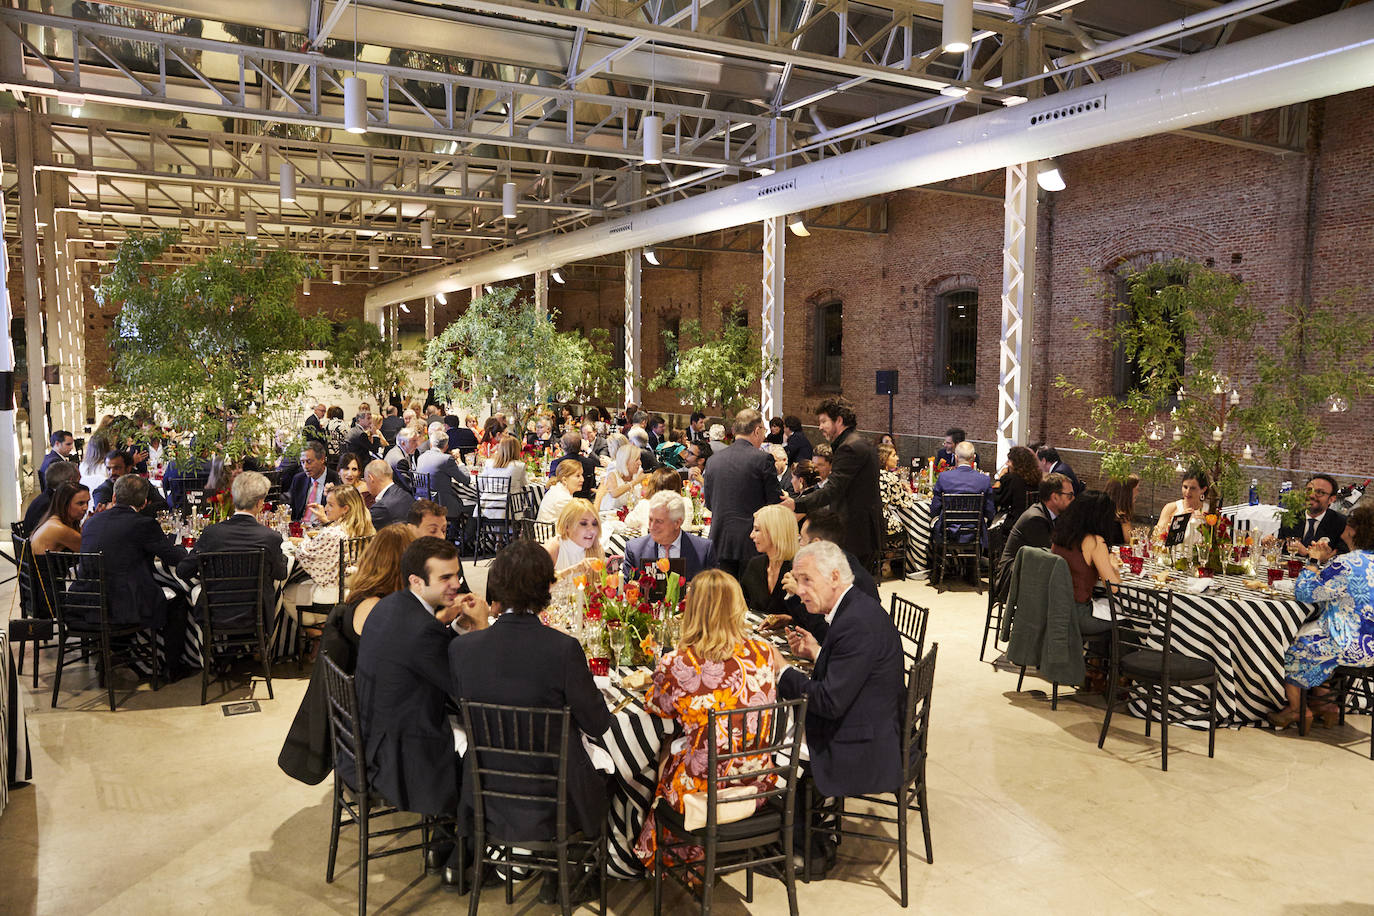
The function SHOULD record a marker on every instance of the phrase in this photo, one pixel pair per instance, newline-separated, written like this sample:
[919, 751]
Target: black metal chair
[518, 757]
[493, 514]
[827, 816]
[532, 530]
[964, 512]
[274, 492]
[231, 613]
[350, 551]
[1341, 684]
[35, 621]
[759, 737]
[77, 583]
[422, 485]
[353, 792]
[1142, 651]
[911, 620]
[993, 622]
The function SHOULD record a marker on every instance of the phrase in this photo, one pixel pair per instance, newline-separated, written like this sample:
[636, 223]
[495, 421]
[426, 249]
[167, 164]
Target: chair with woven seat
[1341, 684]
[353, 793]
[1142, 651]
[77, 584]
[231, 613]
[493, 504]
[827, 816]
[960, 515]
[518, 758]
[911, 620]
[771, 734]
[538, 532]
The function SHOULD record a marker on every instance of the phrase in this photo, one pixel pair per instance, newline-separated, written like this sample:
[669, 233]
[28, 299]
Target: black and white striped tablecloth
[15, 764]
[915, 518]
[282, 638]
[633, 740]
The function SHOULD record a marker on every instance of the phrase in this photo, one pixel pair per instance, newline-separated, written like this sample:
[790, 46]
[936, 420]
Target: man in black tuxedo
[1050, 463]
[62, 445]
[572, 451]
[696, 427]
[58, 473]
[130, 542]
[852, 487]
[404, 682]
[391, 503]
[854, 693]
[518, 661]
[667, 539]
[242, 531]
[794, 441]
[1319, 522]
[116, 466]
[742, 481]
[308, 487]
[1035, 527]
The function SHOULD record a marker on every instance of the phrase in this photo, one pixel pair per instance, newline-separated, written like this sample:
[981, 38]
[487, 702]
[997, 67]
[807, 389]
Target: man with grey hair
[444, 472]
[742, 480]
[686, 553]
[307, 489]
[639, 438]
[962, 478]
[400, 455]
[854, 693]
[241, 531]
[390, 503]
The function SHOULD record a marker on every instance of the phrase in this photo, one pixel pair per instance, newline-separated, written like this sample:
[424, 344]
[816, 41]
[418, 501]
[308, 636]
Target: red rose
[608, 591]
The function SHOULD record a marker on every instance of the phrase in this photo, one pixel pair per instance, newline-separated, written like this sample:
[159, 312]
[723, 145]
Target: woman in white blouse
[622, 481]
[568, 479]
[505, 462]
[93, 471]
[318, 556]
[576, 542]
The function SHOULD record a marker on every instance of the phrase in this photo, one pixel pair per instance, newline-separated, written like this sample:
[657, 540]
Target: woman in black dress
[775, 537]
[1015, 486]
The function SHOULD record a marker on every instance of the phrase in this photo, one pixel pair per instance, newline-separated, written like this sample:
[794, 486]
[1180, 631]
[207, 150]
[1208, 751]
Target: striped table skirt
[915, 516]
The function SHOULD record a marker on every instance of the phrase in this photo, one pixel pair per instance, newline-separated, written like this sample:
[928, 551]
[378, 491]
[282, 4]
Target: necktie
[667, 550]
[1311, 532]
[314, 498]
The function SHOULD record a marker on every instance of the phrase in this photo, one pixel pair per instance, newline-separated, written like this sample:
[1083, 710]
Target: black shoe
[454, 879]
[437, 856]
[589, 891]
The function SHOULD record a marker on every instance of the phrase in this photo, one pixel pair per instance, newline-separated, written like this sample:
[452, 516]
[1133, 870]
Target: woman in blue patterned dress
[1343, 634]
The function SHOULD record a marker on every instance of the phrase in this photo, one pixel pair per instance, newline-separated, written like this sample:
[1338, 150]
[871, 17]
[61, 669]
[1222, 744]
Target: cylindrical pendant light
[287, 175]
[305, 286]
[957, 31]
[508, 200]
[426, 234]
[250, 226]
[355, 105]
[338, 275]
[373, 261]
[653, 139]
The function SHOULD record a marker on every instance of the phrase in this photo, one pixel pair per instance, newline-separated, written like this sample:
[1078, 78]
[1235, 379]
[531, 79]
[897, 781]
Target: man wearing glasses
[1319, 523]
[1035, 527]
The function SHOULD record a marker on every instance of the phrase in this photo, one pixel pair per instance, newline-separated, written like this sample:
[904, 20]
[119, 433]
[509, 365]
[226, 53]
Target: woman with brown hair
[1122, 495]
[717, 665]
[60, 527]
[491, 437]
[351, 473]
[378, 575]
[1015, 486]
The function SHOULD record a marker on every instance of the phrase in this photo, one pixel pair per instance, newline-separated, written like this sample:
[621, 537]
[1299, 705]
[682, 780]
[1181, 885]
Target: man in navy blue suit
[963, 478]
[62, 445]
[667, 539]
[308, 488]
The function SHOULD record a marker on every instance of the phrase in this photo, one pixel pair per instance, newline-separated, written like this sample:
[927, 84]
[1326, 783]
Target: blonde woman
[576, 543]
[775, 536]
[567, 481]
[621, 484]
[346, 516]
[504, 462]
[718, 665]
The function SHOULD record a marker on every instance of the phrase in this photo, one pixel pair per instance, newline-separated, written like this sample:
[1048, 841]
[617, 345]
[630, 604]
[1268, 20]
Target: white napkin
[1197, 586]
[599, 756]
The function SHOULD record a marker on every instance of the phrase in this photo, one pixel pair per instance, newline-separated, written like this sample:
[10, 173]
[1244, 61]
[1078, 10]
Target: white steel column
[633, 369]
[73, 325]
[774, 276]
[33, 305]
[1018, 308]
[53, 302]
[541, 292]
[429, 318]
[9, 439]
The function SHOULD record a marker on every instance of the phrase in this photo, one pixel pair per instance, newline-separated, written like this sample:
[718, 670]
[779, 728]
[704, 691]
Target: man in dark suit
[953, 436]
[462, 437]
[1035, 527]
[443, 473]
[696, 427]
[572, 451]
[742, 481]
[657, 429]
[823, 525]
[116, 466]
[391, 424]
[313, 428]
[794, 441]
[667, 539]
[852, 487]
[308, 487]
[391, 503]
[517, 661]
[62, 445]
[401, 456]
[58, 473]
[242, 531]
[593, 444]
[130, 542]
[1319, 522]
[854, 693]
[1050, 463]
[404, 682]
[963, 479]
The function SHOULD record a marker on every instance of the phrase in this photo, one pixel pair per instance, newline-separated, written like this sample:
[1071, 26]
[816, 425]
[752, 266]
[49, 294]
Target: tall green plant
[601, 380]
[718, 369]
[362, 360]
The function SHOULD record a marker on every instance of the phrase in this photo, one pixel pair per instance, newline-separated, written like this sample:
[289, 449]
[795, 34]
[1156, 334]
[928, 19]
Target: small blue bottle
[1254, 491]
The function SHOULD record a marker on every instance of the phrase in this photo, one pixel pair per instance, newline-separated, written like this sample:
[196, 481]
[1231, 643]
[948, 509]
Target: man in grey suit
[391, 503]
[1035, 527]
[401, 456]
[443, 472]
[741, 481]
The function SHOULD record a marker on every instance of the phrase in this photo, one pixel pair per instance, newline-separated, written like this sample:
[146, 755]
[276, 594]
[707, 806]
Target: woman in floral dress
[720, 666]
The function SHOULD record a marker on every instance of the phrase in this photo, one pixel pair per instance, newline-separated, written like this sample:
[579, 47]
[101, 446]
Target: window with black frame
[956, 341]
[828, 346]
[1126, 372]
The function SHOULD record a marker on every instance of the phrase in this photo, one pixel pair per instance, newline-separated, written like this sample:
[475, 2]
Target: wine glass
[616, 632]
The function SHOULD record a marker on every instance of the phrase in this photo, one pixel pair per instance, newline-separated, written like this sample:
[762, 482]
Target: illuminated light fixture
[956, 32]
[653, 139]
[443, 299]
[405, 308]
[489, 288]
[426, 234]
[651, 256]
[1248, 453]
[338, 275]
[1012, 101]
[954, 92]
[72, 100]
[798, 227]
[355, 105]
[305, 286]
[1050, 178]
[508, 200]
[373, 260]
[286, 176]
[1235, 397]
[250, 226]
[557, 277]
[1216, 434]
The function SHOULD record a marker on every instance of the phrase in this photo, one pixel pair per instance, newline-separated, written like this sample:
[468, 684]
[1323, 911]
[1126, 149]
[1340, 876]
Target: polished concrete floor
[167, 806]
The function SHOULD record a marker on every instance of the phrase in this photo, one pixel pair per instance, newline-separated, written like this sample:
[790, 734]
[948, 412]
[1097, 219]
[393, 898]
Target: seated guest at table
[363, 441]
[351, 476]
[309, 486]
[306, 755]
[960, 479]
[505, 462]
[1051, 463]
[593, 443]
[60, 528]
[542, 435]
[1319, 522]
[93, 471]
[463, 438]
[401, 455]
[804, 477]
[638, 437]
[573, 451]
[1035, 527]
[775, 537]
[821, 525]
[663, 480]
[1016, 484]
[1080, 537]
[391, 502]
[1122, 494]
[795, 441]
[318, 557]
[491, 437]
[576, 543]
[62, 445]
[896, 495]
[63, 472]
[780, 465]
[1194, 488]
[718, 665]
[391, 423]
[518, 661]
[620, 486]
[820, 460]
[614, 443]
[1343, 632]
[667, 539]
[567, 484]
[444, 473]
[404, 682]
[130, 543]
[242, 531]
[774, 436]
[694, 459]
[945, 452]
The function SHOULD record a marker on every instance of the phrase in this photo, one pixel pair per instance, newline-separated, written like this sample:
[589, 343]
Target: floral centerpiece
[624, 602]
[698, 503]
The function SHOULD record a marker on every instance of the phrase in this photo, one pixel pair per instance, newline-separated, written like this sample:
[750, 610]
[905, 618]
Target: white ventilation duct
[1318, 58]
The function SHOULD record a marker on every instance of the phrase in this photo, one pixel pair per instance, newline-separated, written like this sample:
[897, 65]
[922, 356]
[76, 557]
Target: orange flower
[598, 564]
[613, 580]
[632, 593]
[663, 564]
[580, 581]
[1211, 521]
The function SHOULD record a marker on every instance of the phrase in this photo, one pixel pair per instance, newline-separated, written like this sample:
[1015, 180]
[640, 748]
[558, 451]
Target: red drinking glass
[188, 542]
[1137, 565]
[297, 530]
[1275, 574]
[1294, 568]
[1126, 552]
[600, 667]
